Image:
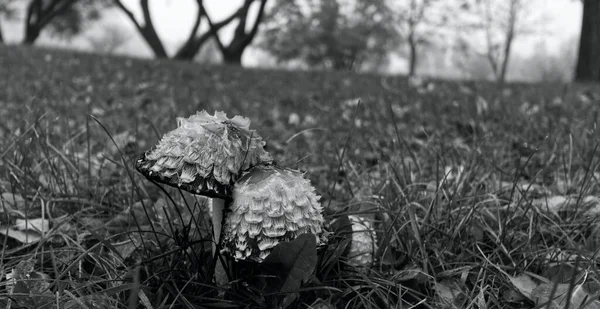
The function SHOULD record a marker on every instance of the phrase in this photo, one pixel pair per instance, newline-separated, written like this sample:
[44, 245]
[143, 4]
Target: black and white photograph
[310, 154]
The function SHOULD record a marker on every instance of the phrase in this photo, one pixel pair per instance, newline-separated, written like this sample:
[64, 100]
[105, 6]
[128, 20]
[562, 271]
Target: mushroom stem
[217, 220]
[218, 205]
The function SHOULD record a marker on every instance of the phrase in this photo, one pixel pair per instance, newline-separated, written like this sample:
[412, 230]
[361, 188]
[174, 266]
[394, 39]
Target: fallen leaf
[39, 225]
[524, 284]
[553, 204]
[542, 295]
[26, 237]
[11, 203]
[560, 203]
[560, 273]
[16, 201]
[449, 292]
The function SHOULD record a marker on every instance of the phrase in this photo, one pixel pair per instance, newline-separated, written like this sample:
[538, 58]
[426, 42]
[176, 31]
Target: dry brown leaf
[524, 284]
[39, 225]
[543, 295]
[449, 293]
[26, 236]
[11, 203]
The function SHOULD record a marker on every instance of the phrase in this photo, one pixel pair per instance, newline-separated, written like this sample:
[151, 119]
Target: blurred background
[514, 40]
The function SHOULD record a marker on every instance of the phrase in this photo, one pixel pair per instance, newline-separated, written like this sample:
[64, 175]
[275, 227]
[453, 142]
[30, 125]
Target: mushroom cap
[364, 242]
[205, 154]
[270, 205]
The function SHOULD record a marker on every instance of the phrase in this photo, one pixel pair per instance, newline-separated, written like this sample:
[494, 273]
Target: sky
[173, 19]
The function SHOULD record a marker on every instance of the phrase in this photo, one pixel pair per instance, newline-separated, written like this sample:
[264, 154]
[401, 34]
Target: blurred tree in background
[421, 24]
[588, 63]
[232, 53]
[483, 39]
[335, 34]
[63, 18]
[147, 30]
[496, 23]
[196, 39]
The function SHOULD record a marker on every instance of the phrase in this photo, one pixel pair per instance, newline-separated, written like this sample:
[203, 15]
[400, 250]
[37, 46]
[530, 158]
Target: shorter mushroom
[270, 205]
[363, 243]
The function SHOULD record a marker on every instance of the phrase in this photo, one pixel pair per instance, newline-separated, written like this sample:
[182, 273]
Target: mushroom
[270, 205]
[205, 155]
[364, 242]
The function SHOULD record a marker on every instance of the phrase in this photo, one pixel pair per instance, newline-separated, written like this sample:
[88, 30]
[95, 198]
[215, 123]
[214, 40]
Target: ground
[479, 197]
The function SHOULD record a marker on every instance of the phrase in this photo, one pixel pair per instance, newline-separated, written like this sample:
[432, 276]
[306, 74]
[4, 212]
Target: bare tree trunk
[189, 50]
[415, 17]
[34, 10]
[510, 35]
[233, 57]
[31, 35]
[147, 29]
[232, 54]
[413, 54]
[39, 14]
[588, 60]
[150, 34]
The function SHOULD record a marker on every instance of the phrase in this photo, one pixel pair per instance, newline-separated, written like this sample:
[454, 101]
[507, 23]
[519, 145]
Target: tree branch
[214, 28]
[32, 9]
[147, 30]
[240, 30]
[261, 12]
[148, 25]
[54, 9]
[510, 34]
[190, 49]
[129, 14]
[488, 36]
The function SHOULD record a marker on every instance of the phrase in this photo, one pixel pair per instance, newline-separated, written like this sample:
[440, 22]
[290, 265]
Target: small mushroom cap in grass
[205, 154]
[270, 205]
[364, 242]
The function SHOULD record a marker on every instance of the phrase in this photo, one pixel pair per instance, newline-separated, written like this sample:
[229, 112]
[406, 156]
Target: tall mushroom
[205, 155]
[270, 205]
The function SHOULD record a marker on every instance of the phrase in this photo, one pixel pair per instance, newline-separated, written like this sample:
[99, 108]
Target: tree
[498, 23]
[232, 53]
[195, 40]
[334, 34]
[498, 54]
[588, 60]
[420, 23]
[62, 17]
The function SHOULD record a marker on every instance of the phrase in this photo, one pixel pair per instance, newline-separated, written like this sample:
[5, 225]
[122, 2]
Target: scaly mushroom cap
[205, 154]
[270, 205]
[364, 242]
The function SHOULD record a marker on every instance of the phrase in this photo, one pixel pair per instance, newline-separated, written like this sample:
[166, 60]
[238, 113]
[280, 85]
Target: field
[480, 197]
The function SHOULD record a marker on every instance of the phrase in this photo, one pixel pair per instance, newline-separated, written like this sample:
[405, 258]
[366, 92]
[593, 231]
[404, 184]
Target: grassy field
[480, 197]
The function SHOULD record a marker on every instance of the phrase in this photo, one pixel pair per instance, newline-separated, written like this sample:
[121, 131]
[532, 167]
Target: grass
[473, 191]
